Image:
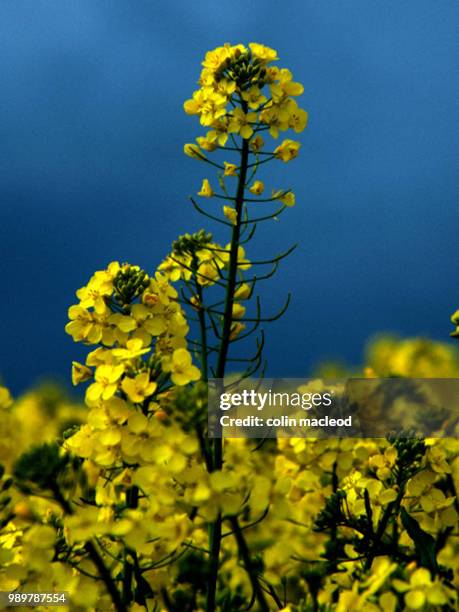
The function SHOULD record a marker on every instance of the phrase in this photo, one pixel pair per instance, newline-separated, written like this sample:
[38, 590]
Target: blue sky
[92, 169]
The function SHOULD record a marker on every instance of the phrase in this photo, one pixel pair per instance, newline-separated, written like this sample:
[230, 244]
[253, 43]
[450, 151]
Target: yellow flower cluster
[27, 549]
[242, 93]
[105, 314]
[365, 468]
[413, 357]
[207, 263]
[38, 416]
[141, 328]
[128, 441]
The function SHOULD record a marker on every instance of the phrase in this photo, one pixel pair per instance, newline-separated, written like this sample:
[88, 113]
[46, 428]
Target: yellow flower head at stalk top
[241, 93]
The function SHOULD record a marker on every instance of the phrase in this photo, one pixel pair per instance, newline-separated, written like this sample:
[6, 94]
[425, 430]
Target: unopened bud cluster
[130, 282]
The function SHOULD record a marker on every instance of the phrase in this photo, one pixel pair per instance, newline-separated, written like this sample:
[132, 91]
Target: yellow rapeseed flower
[193, 151]
[236, 329]
[243, 292]
[230, 213]
[287, 150]
[254, 97]
[134, 348]
[288, 199]
[206, 190]
[421, 589]
[230, 169]
[257, 143]
[106, 382]
[238, 311]
[181, 367]
[80, 373]
[138, 388]
[90, 327]
[263, 53]
[241, 123]
[257, 188]
[206, 144]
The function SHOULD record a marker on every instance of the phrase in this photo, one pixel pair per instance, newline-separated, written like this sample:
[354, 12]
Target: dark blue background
[92, 169]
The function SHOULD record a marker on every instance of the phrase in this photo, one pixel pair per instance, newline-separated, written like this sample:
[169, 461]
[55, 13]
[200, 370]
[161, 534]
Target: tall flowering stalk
[242, 94]
[133, 492]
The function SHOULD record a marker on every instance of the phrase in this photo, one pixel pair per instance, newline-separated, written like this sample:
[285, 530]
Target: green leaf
[423, 542]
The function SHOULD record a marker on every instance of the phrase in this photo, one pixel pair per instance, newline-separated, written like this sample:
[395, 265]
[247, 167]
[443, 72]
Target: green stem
[215, 537]
[202, 326]
[391, 509]
[204, 366]
[215, 531]
[244, 553]
[106, 576]
[233, 265]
